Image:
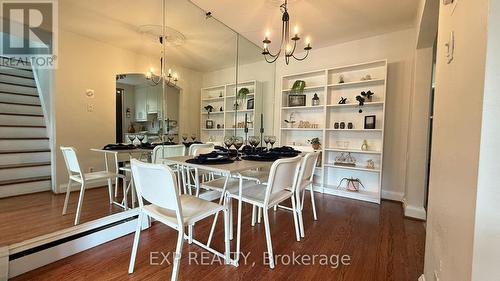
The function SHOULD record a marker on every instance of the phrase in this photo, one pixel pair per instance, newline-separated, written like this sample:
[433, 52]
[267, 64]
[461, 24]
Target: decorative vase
[364, 146]
[342, 125]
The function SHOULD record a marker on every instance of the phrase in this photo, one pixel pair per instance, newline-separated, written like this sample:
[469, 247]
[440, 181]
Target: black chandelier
[286, 41]
[170, 79]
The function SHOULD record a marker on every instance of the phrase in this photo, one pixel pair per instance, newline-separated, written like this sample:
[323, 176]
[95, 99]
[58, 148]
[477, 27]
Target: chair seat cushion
[255, 194]
[193, 210]
[95, 176]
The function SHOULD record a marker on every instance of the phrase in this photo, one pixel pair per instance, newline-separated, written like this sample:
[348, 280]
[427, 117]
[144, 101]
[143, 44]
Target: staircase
[24, 146]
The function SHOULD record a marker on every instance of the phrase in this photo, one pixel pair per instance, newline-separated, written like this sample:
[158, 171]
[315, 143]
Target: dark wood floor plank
[381, 243]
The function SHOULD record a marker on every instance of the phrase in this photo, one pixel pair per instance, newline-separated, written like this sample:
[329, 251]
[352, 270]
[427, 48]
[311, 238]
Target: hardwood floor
[27, 216]
[381, 244]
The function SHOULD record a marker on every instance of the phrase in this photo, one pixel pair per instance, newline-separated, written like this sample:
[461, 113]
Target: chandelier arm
[301, 59]
[272, 60]
[294, 46]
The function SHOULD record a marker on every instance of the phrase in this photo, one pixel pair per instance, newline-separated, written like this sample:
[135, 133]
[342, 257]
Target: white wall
[398, 48]
[487, 218]
[455, 144]
[85, 63]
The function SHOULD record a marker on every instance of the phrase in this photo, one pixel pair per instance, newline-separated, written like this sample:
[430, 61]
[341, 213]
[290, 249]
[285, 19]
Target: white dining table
[229, 170]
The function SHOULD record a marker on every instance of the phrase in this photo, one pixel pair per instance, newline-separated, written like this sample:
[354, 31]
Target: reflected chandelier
[286, 41]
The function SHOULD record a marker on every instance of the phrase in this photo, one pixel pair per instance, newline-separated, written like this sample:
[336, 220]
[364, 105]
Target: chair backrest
[307, 167]
[69, 154]
[164, 151]
[195, 146]
[283, 176]
[157, 184]
[202, 150]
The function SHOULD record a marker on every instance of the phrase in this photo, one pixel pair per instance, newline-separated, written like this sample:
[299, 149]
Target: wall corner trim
[415, 212]
[4, 263]
[392, 195]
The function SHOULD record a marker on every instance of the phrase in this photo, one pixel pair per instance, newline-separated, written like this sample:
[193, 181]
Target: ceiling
[208, 45]
[326, 22]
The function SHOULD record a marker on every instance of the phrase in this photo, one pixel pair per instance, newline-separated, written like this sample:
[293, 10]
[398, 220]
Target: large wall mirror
[166, 72]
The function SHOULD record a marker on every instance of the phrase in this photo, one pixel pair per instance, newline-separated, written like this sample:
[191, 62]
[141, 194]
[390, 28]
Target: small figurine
[221, 109]
[341, 79]
[343, 100]
[349, 125]
[370, 164]
[364, 146]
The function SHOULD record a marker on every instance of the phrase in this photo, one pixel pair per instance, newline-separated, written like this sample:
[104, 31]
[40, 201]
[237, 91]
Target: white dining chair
[305, 180]
[194, 174]
[281, 185]
[75, 174]
[166, 151]
[156, 184]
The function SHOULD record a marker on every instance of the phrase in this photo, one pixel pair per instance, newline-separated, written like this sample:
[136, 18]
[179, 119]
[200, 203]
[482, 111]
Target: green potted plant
[298, 87]
[241, 96]
[209, 109]
[316, 144]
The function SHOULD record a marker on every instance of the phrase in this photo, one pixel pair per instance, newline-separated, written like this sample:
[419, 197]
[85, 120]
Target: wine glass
[228, 141]
[131, 138]
[266, 140]
[170, 137]
[184, 137]
[238, 142]
[193, 137]
[254, 141]
[272, 140]
[140, 137]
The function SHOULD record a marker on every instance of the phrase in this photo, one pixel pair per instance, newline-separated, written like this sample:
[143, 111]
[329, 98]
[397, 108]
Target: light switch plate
[90, 107]
[450, 48]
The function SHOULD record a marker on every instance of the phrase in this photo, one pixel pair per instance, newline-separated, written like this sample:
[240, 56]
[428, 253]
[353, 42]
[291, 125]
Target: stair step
[20, 171]
[4, 87]
[24, 186]
[24, 165]
[11, 157]
[17, 80]
[17, 72]
[21, 144]
[19, 98]
[20, 108]
[23, 132]
[22, 120]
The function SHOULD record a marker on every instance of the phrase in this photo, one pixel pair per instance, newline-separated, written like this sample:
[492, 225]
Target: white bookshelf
[224, 96]
[325, 83]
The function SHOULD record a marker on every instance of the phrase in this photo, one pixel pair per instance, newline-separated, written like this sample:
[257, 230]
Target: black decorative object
[250, 103]
[209, 124]
[221, 109]
[342, 125]
[367, 95]
[336, 125]
[296, 100]
[370, 121]
[361, 101]
[288, 45]
[315, 100]
[349, 125]
[342, 100]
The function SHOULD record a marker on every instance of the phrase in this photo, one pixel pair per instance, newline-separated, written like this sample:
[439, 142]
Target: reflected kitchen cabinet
[141, 100]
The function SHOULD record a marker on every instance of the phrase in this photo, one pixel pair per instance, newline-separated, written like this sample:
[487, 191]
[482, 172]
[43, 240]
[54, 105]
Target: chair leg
[197, 182]
[268, 239]
[226, 235]
[66, 199]
[299, 213]
[313, 204]
[110, 189]
[184, 181]
[80, 203]
[259, 215]
[295, 221]
[230, 206]
[116, 187]
[275, 208]
[177, 258]
[135, 245]
[190, 234]
[254, 210]
[125, 194]
[132, 186]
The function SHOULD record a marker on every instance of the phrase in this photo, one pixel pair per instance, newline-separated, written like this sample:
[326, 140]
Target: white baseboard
[30, 262]
[4, 263]
[415, 212]
[421, 278]
[392, 195]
